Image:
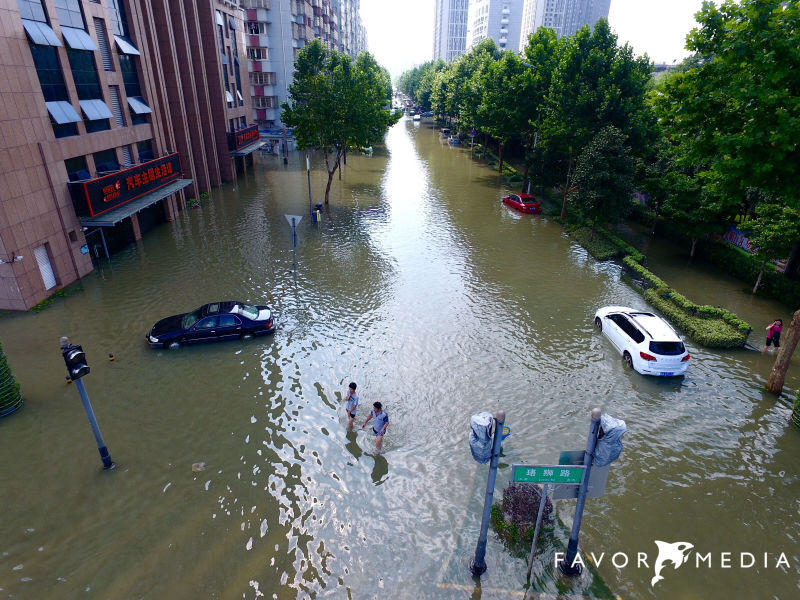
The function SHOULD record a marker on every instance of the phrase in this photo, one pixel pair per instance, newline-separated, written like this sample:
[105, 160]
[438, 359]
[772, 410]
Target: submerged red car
[523, 203]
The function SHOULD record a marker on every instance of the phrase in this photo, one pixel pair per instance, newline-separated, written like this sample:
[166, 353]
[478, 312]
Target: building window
[105, 161]
[54, 91]
[69, 13]
[49, 70]
[76, 168]
[258, 53]
[32, 9]
[96, 125]
[84, 73]
[127, 157]
[256, 28]
[119, 22]
[145, 150]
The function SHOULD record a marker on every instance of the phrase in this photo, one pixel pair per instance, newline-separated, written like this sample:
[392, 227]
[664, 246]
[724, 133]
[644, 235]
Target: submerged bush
[514, 517]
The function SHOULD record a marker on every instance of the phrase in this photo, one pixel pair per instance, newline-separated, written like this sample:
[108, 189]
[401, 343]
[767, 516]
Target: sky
[400, 34]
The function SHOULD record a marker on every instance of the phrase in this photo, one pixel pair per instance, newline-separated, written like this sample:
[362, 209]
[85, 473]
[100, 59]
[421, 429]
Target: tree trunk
[331, 172]
[778, 374]
[694, 245]
[500, 156]
[591, 232]
[484, 146]
[760, 274]
[566, 188]
[793, 261]
[525, 177]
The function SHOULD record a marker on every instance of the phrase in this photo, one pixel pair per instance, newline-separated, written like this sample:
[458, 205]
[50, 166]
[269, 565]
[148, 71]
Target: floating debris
[198, 466]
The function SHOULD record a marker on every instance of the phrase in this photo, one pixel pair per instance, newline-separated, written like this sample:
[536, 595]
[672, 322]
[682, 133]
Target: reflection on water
[419, 285]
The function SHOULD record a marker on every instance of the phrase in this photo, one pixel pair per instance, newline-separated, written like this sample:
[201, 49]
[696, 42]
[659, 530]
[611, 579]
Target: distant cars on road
[211, 323]
[523, 203]
[648, 344]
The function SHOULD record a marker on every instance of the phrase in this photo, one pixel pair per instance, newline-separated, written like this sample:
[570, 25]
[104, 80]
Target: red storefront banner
[94, 197]
[243, 137]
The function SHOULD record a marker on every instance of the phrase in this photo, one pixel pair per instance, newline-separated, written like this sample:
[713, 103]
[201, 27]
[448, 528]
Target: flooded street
[440, 302]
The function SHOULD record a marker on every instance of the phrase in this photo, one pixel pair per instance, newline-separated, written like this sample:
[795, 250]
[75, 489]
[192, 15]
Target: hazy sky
[400, 34]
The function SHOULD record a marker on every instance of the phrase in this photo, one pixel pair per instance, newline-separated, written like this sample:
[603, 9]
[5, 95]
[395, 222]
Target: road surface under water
[440, 302]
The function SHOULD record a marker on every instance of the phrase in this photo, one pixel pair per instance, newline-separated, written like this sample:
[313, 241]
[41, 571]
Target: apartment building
[111, 111]
[500, 20]
[564, 16]
[276, 30]
[450, 29]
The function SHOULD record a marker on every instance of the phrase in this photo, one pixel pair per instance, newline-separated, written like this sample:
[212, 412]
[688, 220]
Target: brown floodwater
[440, 302]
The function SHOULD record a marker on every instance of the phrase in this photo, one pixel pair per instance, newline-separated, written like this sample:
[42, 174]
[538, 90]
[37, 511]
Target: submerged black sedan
[212, 322]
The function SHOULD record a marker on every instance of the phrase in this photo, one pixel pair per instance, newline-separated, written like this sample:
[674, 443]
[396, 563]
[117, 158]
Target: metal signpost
[294, 221]
[558, 475]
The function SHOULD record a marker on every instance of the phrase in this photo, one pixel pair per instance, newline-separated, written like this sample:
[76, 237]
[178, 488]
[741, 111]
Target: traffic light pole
[101, 445]
[478, 563]
[568, 566]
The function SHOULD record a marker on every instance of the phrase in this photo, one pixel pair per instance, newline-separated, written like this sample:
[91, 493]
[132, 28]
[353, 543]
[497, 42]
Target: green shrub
[646, 274]
[514, 517]
[599, 246]
[624, 246]
[10, 399]
[745, 266]
[708, 332]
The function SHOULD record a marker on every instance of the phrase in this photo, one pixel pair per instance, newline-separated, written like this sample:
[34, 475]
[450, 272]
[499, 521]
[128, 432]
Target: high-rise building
[564, 16]
[110, 111]
[450, 28]
[276, 31]
[500, 20]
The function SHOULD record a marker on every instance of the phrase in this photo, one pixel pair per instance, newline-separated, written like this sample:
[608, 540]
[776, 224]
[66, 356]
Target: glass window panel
[84, 73]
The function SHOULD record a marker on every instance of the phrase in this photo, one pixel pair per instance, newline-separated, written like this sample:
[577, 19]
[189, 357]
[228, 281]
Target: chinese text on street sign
[570, 474]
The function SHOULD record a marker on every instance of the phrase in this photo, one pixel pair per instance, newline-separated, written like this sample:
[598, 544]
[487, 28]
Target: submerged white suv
[647, 343]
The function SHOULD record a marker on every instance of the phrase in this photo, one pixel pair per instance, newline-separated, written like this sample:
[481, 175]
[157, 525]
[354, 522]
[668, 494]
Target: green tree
[503, 84]
[736, 110]
[604, 178]
[541, 54]
[336, 104]
[596, 83]
[772, 232]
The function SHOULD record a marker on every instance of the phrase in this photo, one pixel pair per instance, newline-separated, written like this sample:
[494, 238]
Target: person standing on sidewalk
[380, 422]
[351, 403]
[774, 334]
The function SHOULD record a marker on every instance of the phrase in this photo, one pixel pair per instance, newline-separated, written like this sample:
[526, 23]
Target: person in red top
[774, 333]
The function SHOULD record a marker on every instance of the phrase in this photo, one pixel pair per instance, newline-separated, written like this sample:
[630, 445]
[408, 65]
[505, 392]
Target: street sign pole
[294, 221]
[478, 564]
[567, 565]
[542, 502]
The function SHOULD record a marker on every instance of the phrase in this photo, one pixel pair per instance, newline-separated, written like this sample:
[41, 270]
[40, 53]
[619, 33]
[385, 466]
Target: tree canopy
[337, 104]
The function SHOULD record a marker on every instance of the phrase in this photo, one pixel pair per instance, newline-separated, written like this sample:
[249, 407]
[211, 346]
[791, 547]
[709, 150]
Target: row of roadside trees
[711, 143]
[715, 141]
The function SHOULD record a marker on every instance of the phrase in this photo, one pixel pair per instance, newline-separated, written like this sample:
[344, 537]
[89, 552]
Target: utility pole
[308, 172]
[478, 564]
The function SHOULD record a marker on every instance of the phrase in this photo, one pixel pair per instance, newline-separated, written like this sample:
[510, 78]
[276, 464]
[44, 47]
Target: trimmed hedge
[707, 325]
[599, 247]
[711, 333]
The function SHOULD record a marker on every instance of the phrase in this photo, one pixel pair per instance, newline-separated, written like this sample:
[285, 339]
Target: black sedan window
[228, 321]
[207, 323]
[191, 319]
